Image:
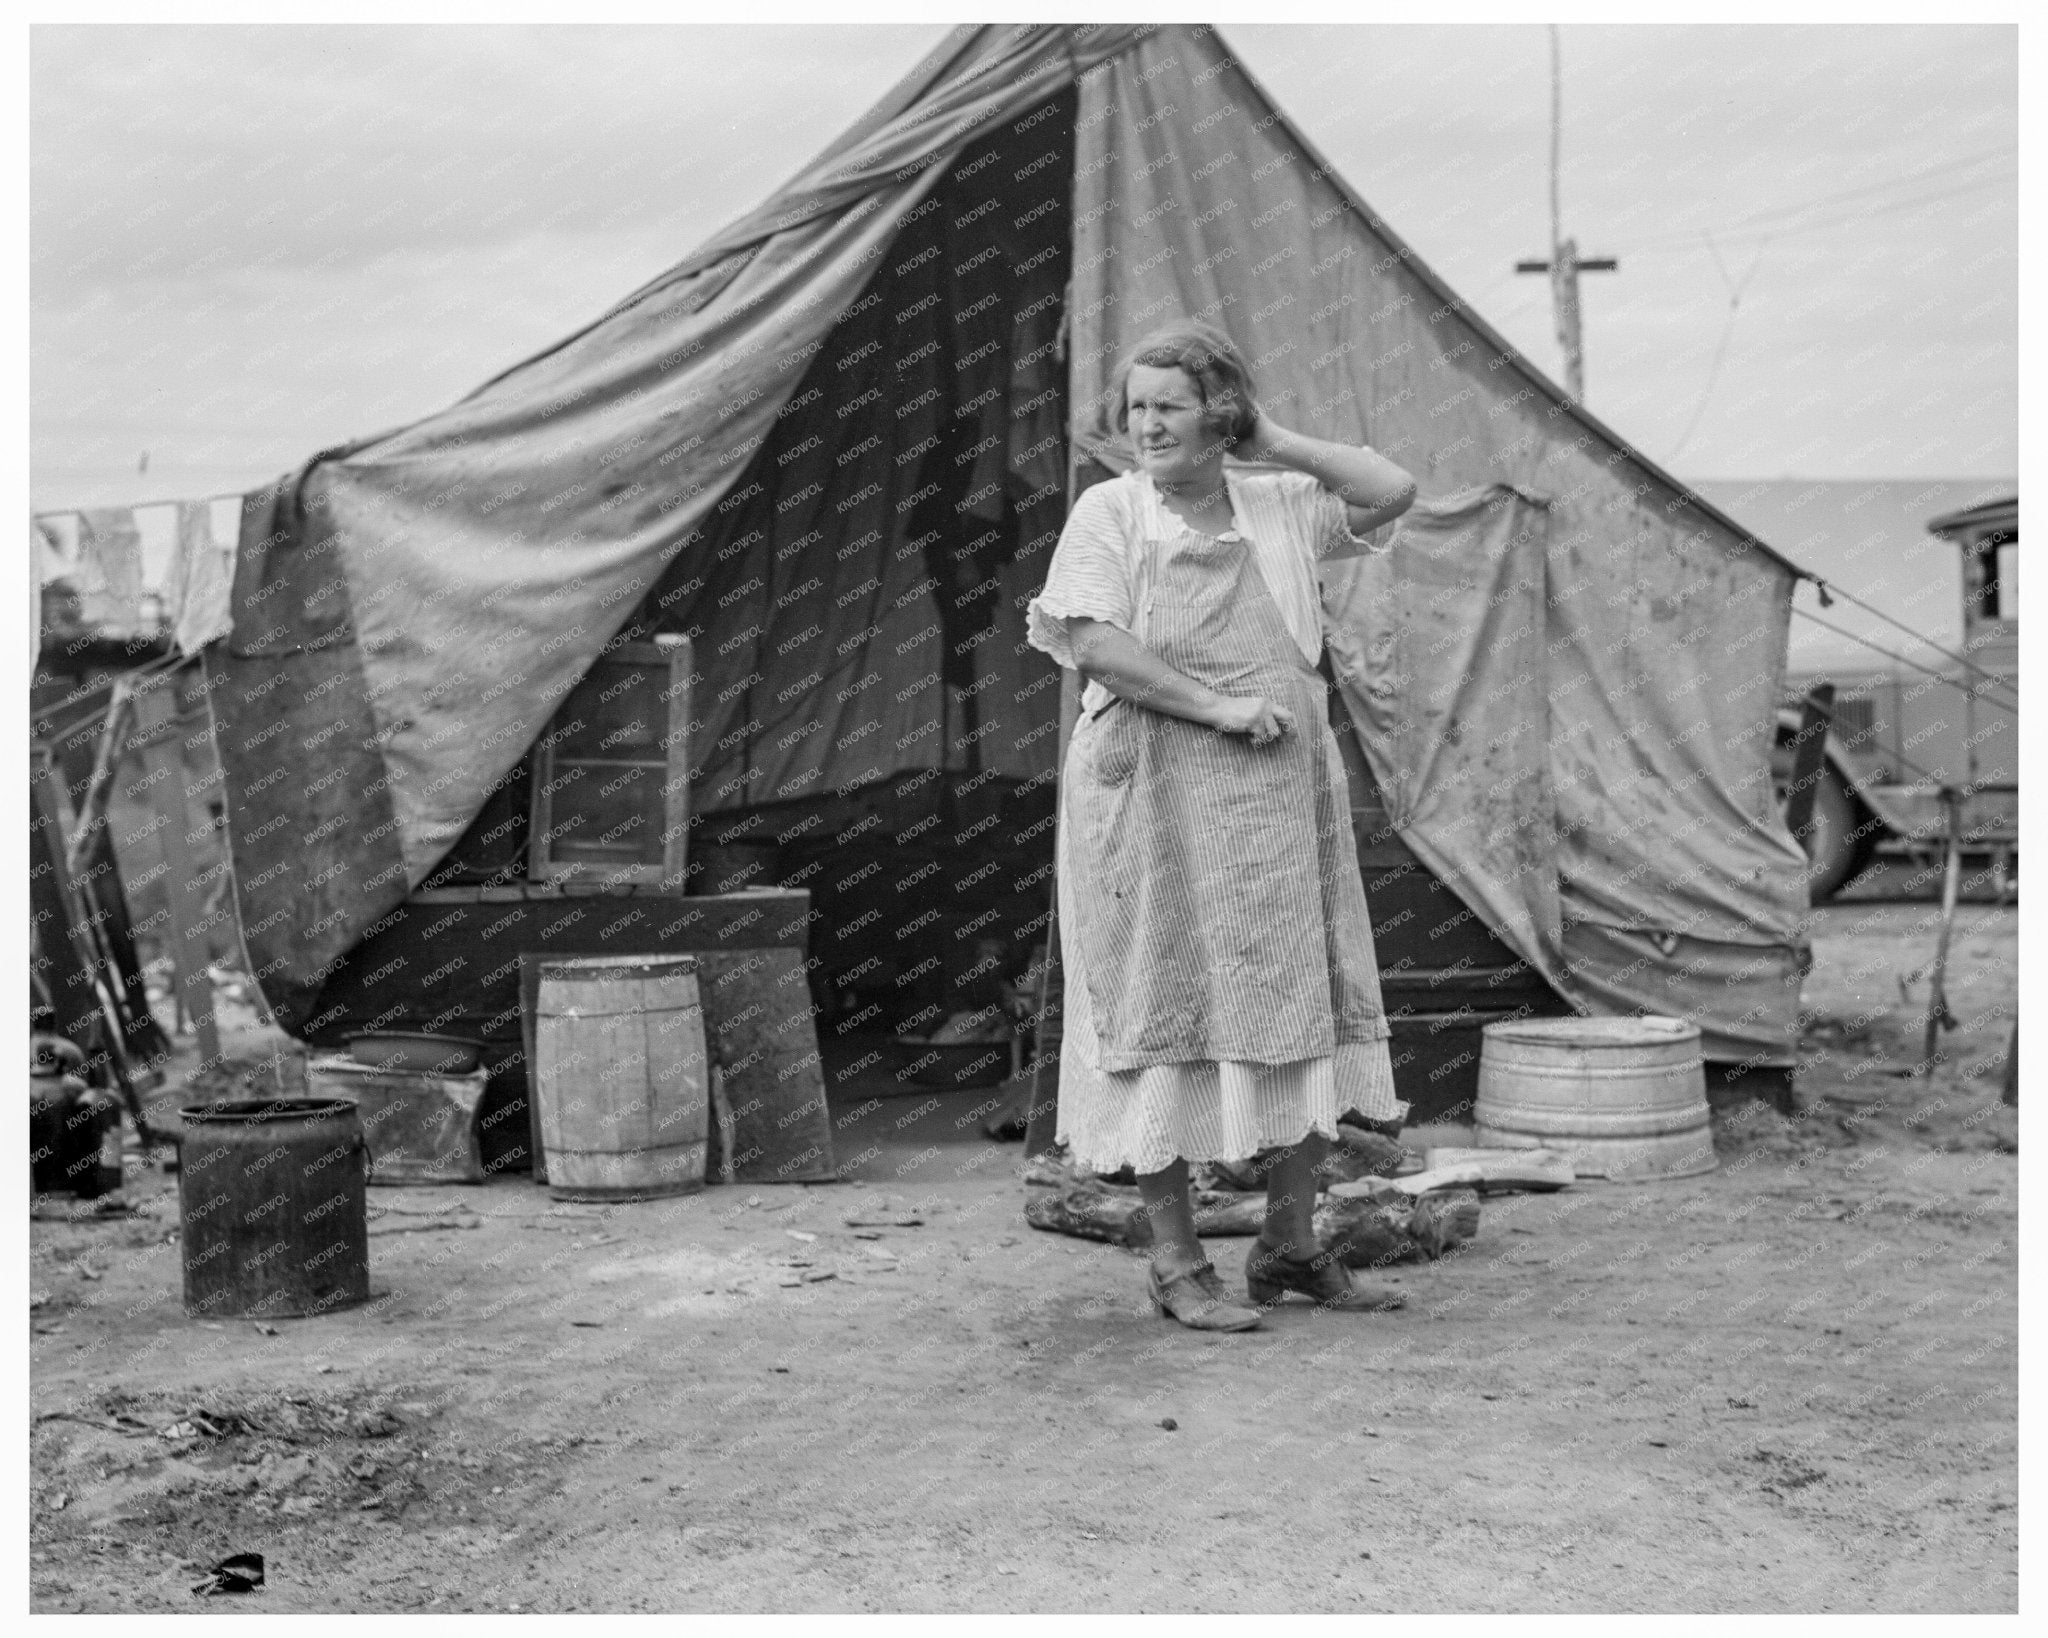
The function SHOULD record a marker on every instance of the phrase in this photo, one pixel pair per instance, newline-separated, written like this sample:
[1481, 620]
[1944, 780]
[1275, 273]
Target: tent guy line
[1830, 589]
[1982, 689]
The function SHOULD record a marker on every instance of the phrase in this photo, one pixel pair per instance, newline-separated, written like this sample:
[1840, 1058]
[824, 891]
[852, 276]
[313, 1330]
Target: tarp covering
[831, 446]
[1563, 675]
[410, 609]
[1504, 767]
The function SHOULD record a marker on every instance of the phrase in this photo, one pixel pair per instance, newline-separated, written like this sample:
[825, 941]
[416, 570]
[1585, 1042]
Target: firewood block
[1367, 1231]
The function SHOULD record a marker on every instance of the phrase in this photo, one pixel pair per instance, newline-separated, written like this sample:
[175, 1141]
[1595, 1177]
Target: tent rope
[1905, 761]
[2011, 710]
[138, 675]
[1928, 774]
[1829, 591]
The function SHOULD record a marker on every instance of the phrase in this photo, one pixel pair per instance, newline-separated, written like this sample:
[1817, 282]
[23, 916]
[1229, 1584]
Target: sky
[249, 244]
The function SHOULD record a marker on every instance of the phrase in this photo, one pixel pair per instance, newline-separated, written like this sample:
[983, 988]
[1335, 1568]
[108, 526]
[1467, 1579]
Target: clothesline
[1827, 588]
[137, 506]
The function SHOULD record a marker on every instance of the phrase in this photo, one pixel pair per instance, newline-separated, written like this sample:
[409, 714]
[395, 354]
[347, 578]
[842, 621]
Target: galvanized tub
[1625, 1098]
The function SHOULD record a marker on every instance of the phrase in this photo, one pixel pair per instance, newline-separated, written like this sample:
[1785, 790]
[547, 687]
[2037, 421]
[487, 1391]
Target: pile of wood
[1368, 1215]
[1369, 1231]
[1362, 1212]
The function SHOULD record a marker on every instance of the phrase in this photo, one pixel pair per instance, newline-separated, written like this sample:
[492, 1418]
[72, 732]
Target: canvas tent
[836, 443]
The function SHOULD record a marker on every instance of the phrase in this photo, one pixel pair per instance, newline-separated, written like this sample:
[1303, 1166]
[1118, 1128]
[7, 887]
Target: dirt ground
[1787, 1385]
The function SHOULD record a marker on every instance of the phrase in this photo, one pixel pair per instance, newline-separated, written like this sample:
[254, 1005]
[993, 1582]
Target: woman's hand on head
[1262, 441]
[1259, 720]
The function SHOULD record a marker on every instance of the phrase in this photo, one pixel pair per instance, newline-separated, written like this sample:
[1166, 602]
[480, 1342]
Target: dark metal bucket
[271, 1207]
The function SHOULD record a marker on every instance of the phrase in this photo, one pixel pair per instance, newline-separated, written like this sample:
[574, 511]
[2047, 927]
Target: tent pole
[1042, 1110]
[1042, 1119]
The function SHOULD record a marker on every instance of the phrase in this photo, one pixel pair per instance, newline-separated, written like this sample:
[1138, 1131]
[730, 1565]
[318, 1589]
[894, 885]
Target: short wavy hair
[1210, 359]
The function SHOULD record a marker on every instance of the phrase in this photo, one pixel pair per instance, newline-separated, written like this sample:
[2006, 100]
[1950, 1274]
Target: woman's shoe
[1197, 1299]
[1270, 1274]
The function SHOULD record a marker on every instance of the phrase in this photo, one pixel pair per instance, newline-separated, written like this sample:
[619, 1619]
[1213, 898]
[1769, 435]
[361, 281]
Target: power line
[1892, 208]
[1654, 247]
[1661, 243]
[1762, 218]
[1978, 158]
[1735, 290]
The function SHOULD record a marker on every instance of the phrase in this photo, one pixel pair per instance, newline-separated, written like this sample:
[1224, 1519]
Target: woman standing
[1222, 998]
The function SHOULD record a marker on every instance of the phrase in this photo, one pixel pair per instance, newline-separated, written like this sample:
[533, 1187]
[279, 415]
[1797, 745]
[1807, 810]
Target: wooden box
[422, 1128]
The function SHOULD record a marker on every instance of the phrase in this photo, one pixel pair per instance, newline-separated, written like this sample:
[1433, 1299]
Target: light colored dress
[1221, 994]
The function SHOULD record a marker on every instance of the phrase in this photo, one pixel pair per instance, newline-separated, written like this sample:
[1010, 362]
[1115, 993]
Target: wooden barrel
[272, 1217]
[619, 1067]
[1624, 1097]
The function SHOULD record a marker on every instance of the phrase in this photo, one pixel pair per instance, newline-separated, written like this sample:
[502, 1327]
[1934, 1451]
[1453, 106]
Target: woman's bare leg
[1170, 1207]
[1290, 1233]
[1291, 1197]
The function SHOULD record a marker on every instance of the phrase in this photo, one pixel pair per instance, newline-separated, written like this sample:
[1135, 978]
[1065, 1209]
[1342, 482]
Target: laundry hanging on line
[199, 581]
[109, 571]
[112, 562]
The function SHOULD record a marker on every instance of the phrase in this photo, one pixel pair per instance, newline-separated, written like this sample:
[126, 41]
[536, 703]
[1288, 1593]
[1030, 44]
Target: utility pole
[1565, 264]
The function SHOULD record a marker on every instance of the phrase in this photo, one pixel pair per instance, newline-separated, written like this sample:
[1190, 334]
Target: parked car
[1898, 737]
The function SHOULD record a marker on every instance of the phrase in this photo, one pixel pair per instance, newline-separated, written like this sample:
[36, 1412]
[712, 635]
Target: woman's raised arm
[1373, 489]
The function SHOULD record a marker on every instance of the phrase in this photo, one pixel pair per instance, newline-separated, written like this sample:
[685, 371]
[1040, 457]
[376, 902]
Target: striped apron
[1219, 910]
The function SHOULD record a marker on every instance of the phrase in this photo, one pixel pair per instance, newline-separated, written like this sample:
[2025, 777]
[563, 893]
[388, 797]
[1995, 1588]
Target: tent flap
[1438, 649]
[485, 555]
[1752, 988]
[310, 817]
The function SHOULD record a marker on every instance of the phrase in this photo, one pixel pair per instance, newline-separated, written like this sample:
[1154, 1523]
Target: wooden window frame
[543, 868]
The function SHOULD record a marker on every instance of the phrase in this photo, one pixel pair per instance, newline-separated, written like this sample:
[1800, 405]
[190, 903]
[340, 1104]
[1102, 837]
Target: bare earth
[1788, 1385]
